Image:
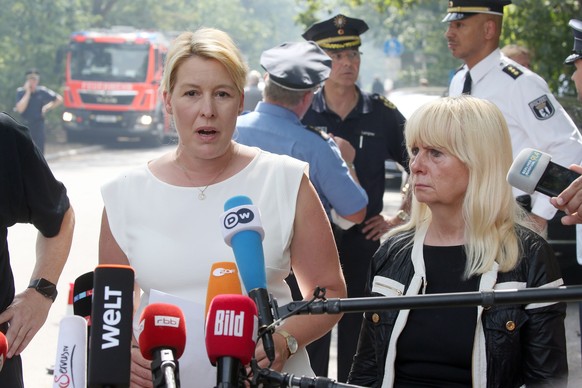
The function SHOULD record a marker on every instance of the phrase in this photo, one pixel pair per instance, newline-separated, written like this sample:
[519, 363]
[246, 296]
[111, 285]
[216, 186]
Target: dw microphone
[162, 339]
[71, 359]
[243, 231]
[231, 336]
[110, 342]
[533, 170]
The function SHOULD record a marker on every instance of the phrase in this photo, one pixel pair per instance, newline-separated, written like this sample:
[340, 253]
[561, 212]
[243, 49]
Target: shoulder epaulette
[384, 101]
[318, 131]
[513, 71]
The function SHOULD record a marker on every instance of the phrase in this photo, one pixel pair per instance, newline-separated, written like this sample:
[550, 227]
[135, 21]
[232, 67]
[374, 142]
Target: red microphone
[3, 349]
[231, 336]
[162, 339]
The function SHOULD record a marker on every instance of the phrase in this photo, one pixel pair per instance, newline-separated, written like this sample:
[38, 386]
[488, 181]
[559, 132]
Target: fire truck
[111, 91]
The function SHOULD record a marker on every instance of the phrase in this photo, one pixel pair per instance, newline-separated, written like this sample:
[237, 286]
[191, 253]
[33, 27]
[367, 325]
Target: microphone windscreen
[3, 349]
[231, 328]
[71, 358]
[111, 329]
[83, 296]
[242, 229]
[223, 279]
[527, 169]
[162, 325]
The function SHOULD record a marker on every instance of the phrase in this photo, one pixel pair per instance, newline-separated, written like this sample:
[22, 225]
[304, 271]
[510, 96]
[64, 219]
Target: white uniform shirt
[534, 117]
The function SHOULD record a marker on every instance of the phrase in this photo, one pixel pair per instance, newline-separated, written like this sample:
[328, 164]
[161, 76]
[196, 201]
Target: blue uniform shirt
[278, 130]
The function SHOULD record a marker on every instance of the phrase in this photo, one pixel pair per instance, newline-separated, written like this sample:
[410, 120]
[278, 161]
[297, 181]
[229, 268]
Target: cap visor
[572, 58]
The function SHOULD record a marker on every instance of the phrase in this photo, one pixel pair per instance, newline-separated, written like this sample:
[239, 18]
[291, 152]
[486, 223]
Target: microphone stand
[165, 369]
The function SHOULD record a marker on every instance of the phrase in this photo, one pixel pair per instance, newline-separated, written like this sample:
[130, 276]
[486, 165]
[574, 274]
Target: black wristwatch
[45, 288]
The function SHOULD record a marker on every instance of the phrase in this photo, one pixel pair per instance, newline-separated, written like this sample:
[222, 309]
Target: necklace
[201, 195]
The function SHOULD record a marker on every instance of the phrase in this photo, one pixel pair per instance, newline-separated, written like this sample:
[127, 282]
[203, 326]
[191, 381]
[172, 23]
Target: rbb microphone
[3, 349]
[242, 230]
[162, 339]
[111, 317]
[231, 336]
[71, 359]
[223, 279]
[532, 170]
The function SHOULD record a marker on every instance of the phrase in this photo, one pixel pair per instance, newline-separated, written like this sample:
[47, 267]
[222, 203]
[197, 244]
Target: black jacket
[524, 344]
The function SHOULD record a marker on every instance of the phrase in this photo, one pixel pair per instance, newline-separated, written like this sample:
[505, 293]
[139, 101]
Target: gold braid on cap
[469, 9]
[333, 42]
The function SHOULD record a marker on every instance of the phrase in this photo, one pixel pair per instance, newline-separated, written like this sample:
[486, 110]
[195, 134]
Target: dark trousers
[355, 255]
[37, 132]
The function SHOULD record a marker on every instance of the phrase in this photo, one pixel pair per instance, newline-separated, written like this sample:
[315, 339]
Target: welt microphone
[243, 231]
[231, 336]
[223, 279]
[533, 170]
[110, 342]
[3, 349]
[162, 340]
[71, 358]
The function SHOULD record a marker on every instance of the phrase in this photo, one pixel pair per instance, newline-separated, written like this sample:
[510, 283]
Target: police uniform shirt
[534, 117]
[278, 130]
[41, 96]
[375, 128]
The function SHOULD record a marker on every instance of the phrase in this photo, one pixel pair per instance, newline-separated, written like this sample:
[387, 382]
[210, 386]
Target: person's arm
[315, 262]
[111, 253]
[570, 200]
[52, 104]
[29, 309]
[22, 103]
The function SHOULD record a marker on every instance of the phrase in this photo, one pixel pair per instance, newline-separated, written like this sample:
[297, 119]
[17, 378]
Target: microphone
[3, 349]
[83, 298]
[71, 359]
[231, 336]
[290, 380]
[111, 316]
[533, 170]
[243, 231]
[223, 279]
[162, 339]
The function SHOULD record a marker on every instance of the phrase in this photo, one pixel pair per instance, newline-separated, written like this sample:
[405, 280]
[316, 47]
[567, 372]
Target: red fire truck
[111, 91]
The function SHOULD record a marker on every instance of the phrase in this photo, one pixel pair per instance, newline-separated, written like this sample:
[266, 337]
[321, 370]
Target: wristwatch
[291, 342]
[45, 288]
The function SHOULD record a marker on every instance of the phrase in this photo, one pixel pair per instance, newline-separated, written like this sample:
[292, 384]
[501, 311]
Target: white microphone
[71, 360]
[533, 170]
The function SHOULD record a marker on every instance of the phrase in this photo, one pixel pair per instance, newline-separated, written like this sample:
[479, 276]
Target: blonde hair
[209, 43]
[474, 131]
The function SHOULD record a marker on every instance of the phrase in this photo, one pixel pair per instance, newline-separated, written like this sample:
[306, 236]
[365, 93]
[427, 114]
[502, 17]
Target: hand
[570, 200]
[346, 149]
[27, 87]
[375, 227]
[141, 373]
[281, 354]
[26, 315]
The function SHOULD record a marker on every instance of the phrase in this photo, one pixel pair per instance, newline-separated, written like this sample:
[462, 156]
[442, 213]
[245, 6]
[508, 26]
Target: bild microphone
[223, 279]
[243, 231]
[231, 336]
[71, 359]
[111, 317]
[3, 349]
[162, 339]
[533, 170]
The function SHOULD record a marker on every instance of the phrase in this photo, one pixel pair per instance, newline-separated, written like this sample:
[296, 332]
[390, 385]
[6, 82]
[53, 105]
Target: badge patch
[542, 108]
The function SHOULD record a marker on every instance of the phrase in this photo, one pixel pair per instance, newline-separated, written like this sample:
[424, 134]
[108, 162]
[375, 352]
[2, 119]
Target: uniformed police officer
[374, 127]
[294, 73]
[534, 117]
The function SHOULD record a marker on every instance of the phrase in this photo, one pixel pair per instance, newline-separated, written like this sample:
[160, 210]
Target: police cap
[461, 9]
[338, 33]
[297, 65]
[577, 49]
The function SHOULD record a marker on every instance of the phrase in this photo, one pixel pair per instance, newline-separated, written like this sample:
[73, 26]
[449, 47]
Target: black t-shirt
[41, 96]
[435, 348]
[29, 193]
[375, 128]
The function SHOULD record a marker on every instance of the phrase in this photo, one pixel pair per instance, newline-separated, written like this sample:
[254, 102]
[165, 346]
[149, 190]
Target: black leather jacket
[523, 345]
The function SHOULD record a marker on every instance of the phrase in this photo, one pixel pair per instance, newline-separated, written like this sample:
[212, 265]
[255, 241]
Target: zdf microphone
[533, 170]
[223, 279]
[231, 336]
[243, 231]
[162, 339]
[71, 359]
